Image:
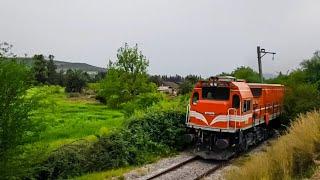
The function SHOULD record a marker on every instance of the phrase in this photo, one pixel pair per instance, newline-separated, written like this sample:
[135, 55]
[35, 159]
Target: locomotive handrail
[187, 114]
[235, 111]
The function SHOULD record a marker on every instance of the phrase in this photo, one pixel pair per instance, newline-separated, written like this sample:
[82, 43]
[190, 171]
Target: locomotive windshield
[216, 93]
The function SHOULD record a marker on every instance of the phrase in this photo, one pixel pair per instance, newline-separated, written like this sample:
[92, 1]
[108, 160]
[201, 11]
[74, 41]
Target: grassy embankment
[63, 120]
[290, 157]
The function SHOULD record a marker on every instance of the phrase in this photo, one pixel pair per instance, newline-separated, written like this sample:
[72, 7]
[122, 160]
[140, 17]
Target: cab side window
[235, 101]
[195, 98]
[246, 105]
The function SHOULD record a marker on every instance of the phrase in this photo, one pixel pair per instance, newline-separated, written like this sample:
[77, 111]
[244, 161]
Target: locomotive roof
[243, 89]
[260, 84]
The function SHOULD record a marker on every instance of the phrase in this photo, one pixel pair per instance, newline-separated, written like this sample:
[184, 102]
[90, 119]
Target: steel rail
[210, 171]
[167, 170]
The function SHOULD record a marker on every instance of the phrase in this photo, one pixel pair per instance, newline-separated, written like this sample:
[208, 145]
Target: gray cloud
[179, 37]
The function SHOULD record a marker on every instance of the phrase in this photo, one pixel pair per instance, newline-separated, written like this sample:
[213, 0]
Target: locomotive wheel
[244, 145]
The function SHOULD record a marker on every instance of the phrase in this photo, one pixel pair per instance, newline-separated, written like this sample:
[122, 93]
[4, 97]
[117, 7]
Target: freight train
[225, 116]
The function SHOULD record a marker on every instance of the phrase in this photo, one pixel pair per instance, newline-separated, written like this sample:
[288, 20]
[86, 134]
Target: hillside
[62, 65]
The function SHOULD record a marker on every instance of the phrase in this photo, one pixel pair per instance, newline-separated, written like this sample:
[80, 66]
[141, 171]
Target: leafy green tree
[156, 79]
[311, 68]
[193, 78]
[61, 79]
[185, 87]
[40, 69]
[126, 78]
[76, 80]
[300, 98]
[225, 74]
[131, 60]
[15, 108]
[5, 50]
[301, 89]
[98, 77]
[52, 74]
[246, 73]
[188, 84]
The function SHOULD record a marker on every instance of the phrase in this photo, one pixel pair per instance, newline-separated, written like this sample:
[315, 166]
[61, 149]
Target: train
[225, 115]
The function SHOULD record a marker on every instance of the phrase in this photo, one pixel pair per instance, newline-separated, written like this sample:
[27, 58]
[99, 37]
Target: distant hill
[62, 65]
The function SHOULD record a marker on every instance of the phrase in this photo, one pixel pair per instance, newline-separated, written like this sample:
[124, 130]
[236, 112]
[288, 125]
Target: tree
[126, 78]
[52, 74]
[192, 78]
[14, 108]
[312, 68]
[5, 50]
[188, 84]
[225, 74]
[61, 79]
[98, 77]
[130, 60]
[246, 73]
[40, 69]
[156, 79]
[185, 87]
[75, 80]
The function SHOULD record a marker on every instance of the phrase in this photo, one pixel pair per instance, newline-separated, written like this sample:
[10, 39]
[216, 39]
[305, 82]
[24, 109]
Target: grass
[72, 118]
[63, 120]
[290, 157]
[114, 173]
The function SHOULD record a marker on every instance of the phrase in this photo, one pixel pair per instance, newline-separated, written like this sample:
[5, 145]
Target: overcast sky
[203, 37]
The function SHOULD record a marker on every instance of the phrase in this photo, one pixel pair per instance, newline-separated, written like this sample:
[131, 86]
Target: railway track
[193, 168]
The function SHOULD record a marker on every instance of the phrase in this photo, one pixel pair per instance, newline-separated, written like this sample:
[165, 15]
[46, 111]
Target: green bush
[141, 101]
[65, 161]
[94, 87]
[300, 99]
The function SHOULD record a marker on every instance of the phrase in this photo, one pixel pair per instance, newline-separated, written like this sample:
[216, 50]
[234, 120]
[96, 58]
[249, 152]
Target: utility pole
[261, 53]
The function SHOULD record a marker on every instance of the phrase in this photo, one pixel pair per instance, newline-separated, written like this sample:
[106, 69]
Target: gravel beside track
[158, 166]
[190, 171]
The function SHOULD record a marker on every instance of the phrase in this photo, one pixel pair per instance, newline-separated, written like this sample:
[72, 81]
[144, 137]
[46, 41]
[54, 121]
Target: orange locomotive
[226, 116]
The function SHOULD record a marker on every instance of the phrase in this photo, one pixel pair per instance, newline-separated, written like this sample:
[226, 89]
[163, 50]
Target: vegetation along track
[192, 168]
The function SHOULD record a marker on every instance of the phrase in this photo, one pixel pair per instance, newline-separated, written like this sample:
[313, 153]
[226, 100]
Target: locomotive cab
[217, 102]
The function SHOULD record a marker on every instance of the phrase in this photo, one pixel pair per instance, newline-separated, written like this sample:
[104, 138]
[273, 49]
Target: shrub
[300, 99]
[65, 161]
[94, 87]
[141, 101]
